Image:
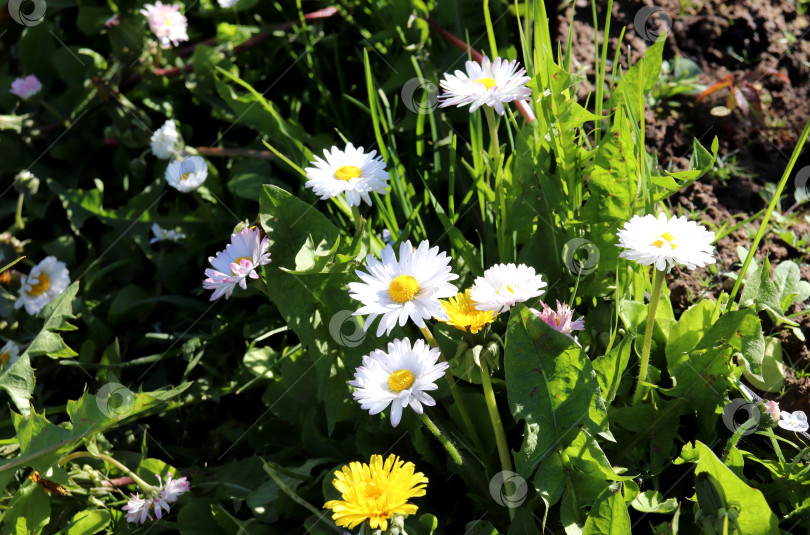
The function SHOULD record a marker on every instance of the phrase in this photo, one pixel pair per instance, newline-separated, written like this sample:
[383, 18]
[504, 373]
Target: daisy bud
[769, 410]
[26, 182]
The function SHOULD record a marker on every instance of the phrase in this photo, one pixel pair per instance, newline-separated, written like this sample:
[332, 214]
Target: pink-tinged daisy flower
[27, 87]
[505, 285]
[174, 488]
[137, 509]
[561, 320]
[399, 378]
[665, 242]
[237, 262]
[406, 288]
[166, 22]
[485, 84]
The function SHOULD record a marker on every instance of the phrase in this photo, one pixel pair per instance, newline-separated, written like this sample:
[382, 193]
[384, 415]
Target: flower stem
[497, 425]
[658, 284]
[18, 214]
[451, 381]
[75, 455]
[55, 113]
[451, 449]
[777, 449]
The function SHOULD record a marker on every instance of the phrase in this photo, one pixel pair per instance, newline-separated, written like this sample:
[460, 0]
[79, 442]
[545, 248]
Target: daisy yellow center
[503, 288]
[42, 285]
[400, 380]
[487, 82]
[666, 237]
[5, 358]
[238, 262]
[167, 21]
[403, 288]
[347, 172]
[375, 492]
[185, 176]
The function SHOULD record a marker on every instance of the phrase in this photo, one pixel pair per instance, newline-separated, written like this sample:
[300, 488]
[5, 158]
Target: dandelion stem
[497, 425]
[451, 449]
[658, 284]
[75, 455]
[451, 381]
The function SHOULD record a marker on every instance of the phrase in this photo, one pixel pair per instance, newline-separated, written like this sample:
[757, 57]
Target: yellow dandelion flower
[463, 314]
[375, 492]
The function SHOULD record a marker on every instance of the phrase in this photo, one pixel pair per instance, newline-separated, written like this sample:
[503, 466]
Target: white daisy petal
[351, 172]
[490, 83]
[164, 140]
[46, 281]
[662, 242]
[187, 174]
[505, 285]
[398, 377]
[9, 354]
[166, 22]
[406, 288]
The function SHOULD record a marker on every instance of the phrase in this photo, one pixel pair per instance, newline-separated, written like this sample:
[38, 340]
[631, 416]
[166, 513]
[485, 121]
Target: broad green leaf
[651, 501]
[789, 284]
[699, 164]
[689, 329]
[551, 385]
[755, 515]
[27, 512]
[610, 368]
[42, 442]
[762, 293]
[773, 368]
[638, 80]
[609, 515]
[18, 381]
[89, 522]
[56, 315]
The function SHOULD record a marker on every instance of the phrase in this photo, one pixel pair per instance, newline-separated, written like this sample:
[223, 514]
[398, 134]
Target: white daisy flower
[237, 262]
[162, 234]
[489, 83]
[27, 87]
[9, 354]
[399, 378]
[137, 509]
[46, 281]
[227, 3]
[164, 140]
[406, 288]
[796, 421]
[174, 488]
[664, 243]
[504, 285]
[188, 174]
[166, 22]
[352, 172]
